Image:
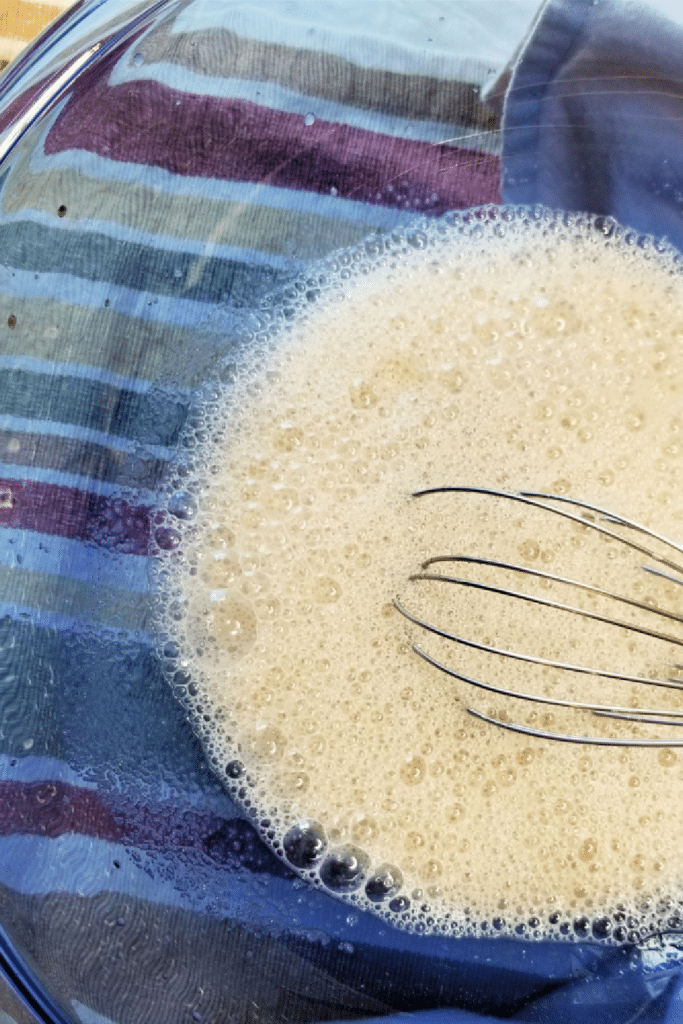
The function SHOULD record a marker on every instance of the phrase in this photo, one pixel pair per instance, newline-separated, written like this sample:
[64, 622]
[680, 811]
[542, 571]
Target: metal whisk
[612, 536]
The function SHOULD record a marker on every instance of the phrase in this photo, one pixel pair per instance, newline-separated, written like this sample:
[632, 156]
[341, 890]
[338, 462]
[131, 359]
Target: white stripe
[36, 474]
[429, 37]
[40, 769]
[87, 1015]
[81, 371]
[164, 243]
[209, 317]
[44, 619]
[54, 428]
[73, 559]
[275, 97]
[34, 865]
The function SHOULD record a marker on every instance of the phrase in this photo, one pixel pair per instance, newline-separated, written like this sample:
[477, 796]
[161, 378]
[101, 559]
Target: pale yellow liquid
[551, 364]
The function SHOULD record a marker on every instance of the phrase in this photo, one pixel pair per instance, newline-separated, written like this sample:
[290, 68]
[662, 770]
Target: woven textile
[208, 154]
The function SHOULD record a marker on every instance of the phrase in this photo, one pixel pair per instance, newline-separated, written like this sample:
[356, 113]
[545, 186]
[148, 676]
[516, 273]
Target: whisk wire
[553, 578]
[558, 605]
[562, 737]
[549, 503]
[538, 499]
[671, 684]
[626, 714]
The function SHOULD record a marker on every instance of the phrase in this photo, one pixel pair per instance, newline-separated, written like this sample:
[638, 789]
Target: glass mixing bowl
[165, 167]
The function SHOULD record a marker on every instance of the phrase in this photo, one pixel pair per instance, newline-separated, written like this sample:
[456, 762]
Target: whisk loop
[625, 612]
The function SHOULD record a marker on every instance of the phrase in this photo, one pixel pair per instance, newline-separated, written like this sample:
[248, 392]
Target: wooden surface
[20, 21]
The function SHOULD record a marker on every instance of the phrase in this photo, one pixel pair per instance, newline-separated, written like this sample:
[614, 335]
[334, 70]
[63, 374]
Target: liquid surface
[518, 355]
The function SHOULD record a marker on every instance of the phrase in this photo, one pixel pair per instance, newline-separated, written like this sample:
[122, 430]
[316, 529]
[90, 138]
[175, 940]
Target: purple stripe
[203, 136]
[51, 809]
[110, 523]
[14, 110]
[11, 112]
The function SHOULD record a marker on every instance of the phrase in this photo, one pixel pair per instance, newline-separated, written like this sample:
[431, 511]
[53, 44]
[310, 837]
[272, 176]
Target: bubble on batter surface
[514, 348]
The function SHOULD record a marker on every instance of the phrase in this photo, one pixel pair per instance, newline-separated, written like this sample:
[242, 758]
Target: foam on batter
[510, 350]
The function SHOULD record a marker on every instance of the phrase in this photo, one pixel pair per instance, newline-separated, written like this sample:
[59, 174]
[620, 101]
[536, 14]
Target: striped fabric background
[133, 241]
[201, 162]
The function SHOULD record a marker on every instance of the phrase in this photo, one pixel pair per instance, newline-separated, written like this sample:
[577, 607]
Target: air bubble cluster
[507, 348]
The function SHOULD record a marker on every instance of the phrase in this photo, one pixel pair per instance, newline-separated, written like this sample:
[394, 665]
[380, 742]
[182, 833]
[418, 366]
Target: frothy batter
[509, 350]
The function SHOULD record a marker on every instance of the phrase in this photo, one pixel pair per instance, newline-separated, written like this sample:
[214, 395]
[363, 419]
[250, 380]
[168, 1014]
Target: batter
[514, 351]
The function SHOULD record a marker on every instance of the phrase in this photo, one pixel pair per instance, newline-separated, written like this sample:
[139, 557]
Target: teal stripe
[95, 256]
[154, 418]
[50, 682]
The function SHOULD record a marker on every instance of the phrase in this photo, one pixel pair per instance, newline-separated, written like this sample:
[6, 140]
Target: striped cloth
[210, 153]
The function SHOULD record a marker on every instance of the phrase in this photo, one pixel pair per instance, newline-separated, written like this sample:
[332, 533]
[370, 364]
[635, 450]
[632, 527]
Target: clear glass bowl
[163, 168]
